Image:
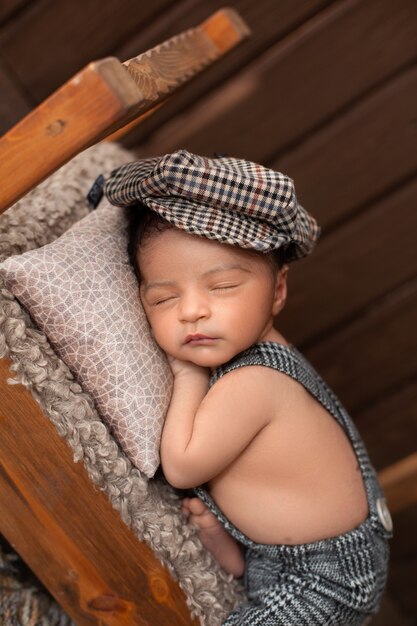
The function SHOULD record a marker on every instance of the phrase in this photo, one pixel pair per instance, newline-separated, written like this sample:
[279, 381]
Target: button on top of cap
[384, 514]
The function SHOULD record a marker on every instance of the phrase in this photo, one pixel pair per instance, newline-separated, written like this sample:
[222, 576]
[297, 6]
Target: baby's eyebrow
[224, 267]
[159, 283]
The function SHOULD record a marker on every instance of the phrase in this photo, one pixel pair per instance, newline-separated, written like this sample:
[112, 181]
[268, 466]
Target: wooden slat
[298, 83]
[121, 132]
[70, 120]
[403, 561]
[104, 97]
[357, 263]
[269, 21]
[67, 531]
[72, 38]
[399, 482]
[374, 354]
[176, 60]
[13, 103]
[389, 614]
[360, 156]
[389, 426]
[9, 7]
[223, 34]
[66, 38]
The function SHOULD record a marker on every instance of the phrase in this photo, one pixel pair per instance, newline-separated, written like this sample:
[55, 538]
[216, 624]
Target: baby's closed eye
[159, 299]
[163, 300]
[225, 287]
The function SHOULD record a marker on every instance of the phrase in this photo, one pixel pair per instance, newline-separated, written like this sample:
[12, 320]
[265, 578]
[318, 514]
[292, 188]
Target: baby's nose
[194, 308]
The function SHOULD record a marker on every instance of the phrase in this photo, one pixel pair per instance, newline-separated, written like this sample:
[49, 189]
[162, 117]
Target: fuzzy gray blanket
[150, 508]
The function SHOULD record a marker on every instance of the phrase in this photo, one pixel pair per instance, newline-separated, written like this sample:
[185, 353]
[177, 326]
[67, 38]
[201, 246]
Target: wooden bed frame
[106, 577]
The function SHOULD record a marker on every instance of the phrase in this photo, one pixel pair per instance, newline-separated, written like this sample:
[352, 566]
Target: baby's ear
[280, 294]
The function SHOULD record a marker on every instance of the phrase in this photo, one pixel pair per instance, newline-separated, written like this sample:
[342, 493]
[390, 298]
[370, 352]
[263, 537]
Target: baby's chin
[211, 359]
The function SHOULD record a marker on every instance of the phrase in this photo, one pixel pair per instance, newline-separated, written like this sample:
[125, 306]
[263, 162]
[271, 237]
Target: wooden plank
[70, 38]
[399, 482]
[361, 155]
[355, 264]
[67, 531]
[66, 123]
[389, 614]
[269, 21]
[9, 7]
[13, 103]
[389, 426]
[311, 74]
[403, 562]
[96, 30]
[372, 355]
[182, 56]
[104, 97]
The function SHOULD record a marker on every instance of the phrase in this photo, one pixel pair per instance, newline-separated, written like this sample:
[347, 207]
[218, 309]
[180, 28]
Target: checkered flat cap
[231, 200]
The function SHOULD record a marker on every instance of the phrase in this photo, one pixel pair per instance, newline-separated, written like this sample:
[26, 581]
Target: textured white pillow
[82, 292]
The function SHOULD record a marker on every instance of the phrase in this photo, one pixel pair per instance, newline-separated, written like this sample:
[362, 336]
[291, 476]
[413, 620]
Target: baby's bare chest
[284, 480]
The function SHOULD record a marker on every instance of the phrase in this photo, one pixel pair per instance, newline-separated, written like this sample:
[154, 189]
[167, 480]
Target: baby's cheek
[162, 336]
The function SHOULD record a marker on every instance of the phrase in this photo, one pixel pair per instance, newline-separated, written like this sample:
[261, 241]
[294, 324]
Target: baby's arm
[190, 387]
[205, 430]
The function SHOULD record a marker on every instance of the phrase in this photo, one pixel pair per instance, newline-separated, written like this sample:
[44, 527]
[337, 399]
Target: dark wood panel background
[325, 91]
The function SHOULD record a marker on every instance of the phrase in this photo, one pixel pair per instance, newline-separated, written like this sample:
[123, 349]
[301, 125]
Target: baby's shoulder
[258, 381]
[248, 392]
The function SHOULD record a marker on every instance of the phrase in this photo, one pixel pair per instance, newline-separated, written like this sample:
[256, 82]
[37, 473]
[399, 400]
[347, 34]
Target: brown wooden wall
[325, 91]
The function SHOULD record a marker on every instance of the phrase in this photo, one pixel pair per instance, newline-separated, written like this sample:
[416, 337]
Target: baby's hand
[186, 368]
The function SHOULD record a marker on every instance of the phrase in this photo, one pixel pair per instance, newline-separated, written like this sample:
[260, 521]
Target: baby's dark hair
[142, 223]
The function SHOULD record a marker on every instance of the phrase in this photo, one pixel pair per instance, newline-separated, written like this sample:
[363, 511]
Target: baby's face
[205, 301]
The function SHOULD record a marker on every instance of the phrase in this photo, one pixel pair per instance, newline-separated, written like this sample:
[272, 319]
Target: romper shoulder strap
[288, 360]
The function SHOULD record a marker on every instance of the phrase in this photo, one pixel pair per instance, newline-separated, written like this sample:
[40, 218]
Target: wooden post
[66, 530]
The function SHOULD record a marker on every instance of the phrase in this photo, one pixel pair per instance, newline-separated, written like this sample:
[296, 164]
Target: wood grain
[403, 562]
[66, 123]
[13, 103]
[9, 7]
[361, 155]
[67, 531]
[180, 57]
[372, 355]
[389, 425]
[66, 37]
[315, 72]
[399, 482]
[269, 21]
[352, 266]
[389, 615]
[104, 97]
[172, 63]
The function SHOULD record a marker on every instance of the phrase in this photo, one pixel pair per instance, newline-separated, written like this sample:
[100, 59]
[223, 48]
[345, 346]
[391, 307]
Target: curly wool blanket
[150, 508]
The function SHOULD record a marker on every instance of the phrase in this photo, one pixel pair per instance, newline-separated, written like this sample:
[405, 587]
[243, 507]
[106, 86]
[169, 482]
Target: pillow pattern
[81, 291]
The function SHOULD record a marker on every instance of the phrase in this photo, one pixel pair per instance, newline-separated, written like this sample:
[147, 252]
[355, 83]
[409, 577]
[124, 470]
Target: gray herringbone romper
[337, 581]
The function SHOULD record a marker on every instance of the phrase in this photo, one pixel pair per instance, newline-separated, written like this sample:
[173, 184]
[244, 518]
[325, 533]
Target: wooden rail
[105, 96]
[399, 482]
[66, 530]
